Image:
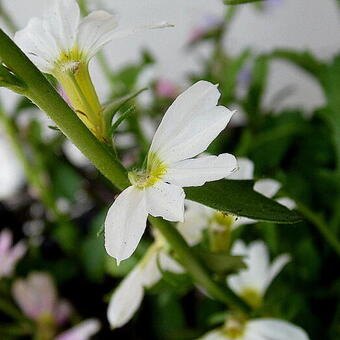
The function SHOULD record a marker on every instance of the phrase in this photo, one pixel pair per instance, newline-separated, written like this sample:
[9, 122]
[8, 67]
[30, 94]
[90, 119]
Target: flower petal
[276, 267]
[167, 263]
[62, 20]
[215, 334]
[195, 172]
[95, 31]
[82, 331]
[267, 187]
[38, 45]
[196, 220]
[191, 123]
[274, 329]
[166, 200]
[245, 169]
[125, 223]
[287, 202]
[126, 299]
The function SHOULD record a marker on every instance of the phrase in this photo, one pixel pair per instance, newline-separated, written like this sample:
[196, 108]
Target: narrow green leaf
[120, 120]
[238, 198]
[10, 80]
[239, 2]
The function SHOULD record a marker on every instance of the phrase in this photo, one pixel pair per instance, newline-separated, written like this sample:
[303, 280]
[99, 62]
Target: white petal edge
[274, 329]
[165, 200]
[215, 334]
[125, 223]
[276, 267]
[267, 187]
[126, 299]
[191, 123]
[196, 172]
[94, 31]
[83, 331]
[245, 169]
[287, 202]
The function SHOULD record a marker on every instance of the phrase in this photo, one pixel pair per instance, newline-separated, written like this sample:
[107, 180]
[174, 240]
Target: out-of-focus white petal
[167, 263]
[6, 240]
[82, 331]
[267, 187]
[62, 20]
[126, 299]
[242, 221]
[287, 202]
[74, 154]
[196, 220]
[191, 123]
[149, 271]
[165, 200]
[216, 334]
[125, 223]
[95, 31]
[274, 329]
[36, 295]
[245, 169]
[275, 268]
[195, 172]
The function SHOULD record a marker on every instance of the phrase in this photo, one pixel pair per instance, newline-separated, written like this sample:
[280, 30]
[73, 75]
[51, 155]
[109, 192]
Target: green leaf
[10, 80]
[238, 198]
[220, 263]
[239, 2]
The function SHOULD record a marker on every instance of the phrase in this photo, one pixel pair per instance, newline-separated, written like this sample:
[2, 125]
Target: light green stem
[48, 100]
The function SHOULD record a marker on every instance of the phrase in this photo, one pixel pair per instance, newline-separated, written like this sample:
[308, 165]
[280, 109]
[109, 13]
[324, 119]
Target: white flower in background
[74, 155]
[199, 217]
[60, 40]
[191, 123]
[37, 298]
[257, 329]
[9, 254]
[251, 283]
[11, 173]
[128, 297]
[82, 331]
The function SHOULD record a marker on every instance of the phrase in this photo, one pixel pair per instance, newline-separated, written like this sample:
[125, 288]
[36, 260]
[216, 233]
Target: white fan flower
[199, 217]
[251, 283]
[61, 40]
[127, 298]
[62, 44]
[257, 329]
[191, 123]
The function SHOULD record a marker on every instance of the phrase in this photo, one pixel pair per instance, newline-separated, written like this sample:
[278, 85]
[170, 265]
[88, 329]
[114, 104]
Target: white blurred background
[297, 24]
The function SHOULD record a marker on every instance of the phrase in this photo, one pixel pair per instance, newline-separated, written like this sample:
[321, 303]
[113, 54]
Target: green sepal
[10, 80]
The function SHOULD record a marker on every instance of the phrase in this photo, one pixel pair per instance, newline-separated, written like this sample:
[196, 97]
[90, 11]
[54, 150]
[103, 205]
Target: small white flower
[252, 283]
[82, 331]
[61, 40]
[257, 329]
[127, 298]
[191, 123]
[199, 217]
[9, 254]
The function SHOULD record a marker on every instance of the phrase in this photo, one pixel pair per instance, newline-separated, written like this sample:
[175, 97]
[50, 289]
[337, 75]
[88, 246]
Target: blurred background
[277, 62]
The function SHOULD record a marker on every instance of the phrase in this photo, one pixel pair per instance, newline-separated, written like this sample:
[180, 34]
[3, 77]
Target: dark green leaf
[238, 198]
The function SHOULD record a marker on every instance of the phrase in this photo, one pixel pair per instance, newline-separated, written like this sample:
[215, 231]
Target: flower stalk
[41, 92]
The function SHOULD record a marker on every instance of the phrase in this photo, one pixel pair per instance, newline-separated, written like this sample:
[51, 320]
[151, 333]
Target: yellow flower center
[154, 172]
[234, 328]
[223, 219]
[252, 296]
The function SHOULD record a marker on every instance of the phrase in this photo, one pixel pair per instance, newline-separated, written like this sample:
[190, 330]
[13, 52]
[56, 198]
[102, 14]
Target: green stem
[323, 228]
[47, 99]
[194, 268]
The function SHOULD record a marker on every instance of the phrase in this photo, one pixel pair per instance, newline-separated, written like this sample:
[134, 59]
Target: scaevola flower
[9, 254]
[199, 217]
[256, 329]
[38, 299]
[62, 44]
[191, 123]
[83, 331]
[251, 283]
[127, 298]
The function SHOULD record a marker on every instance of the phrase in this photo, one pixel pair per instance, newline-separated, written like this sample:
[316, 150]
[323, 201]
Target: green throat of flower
[148, 177]
[252, 296]
[223, 219]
